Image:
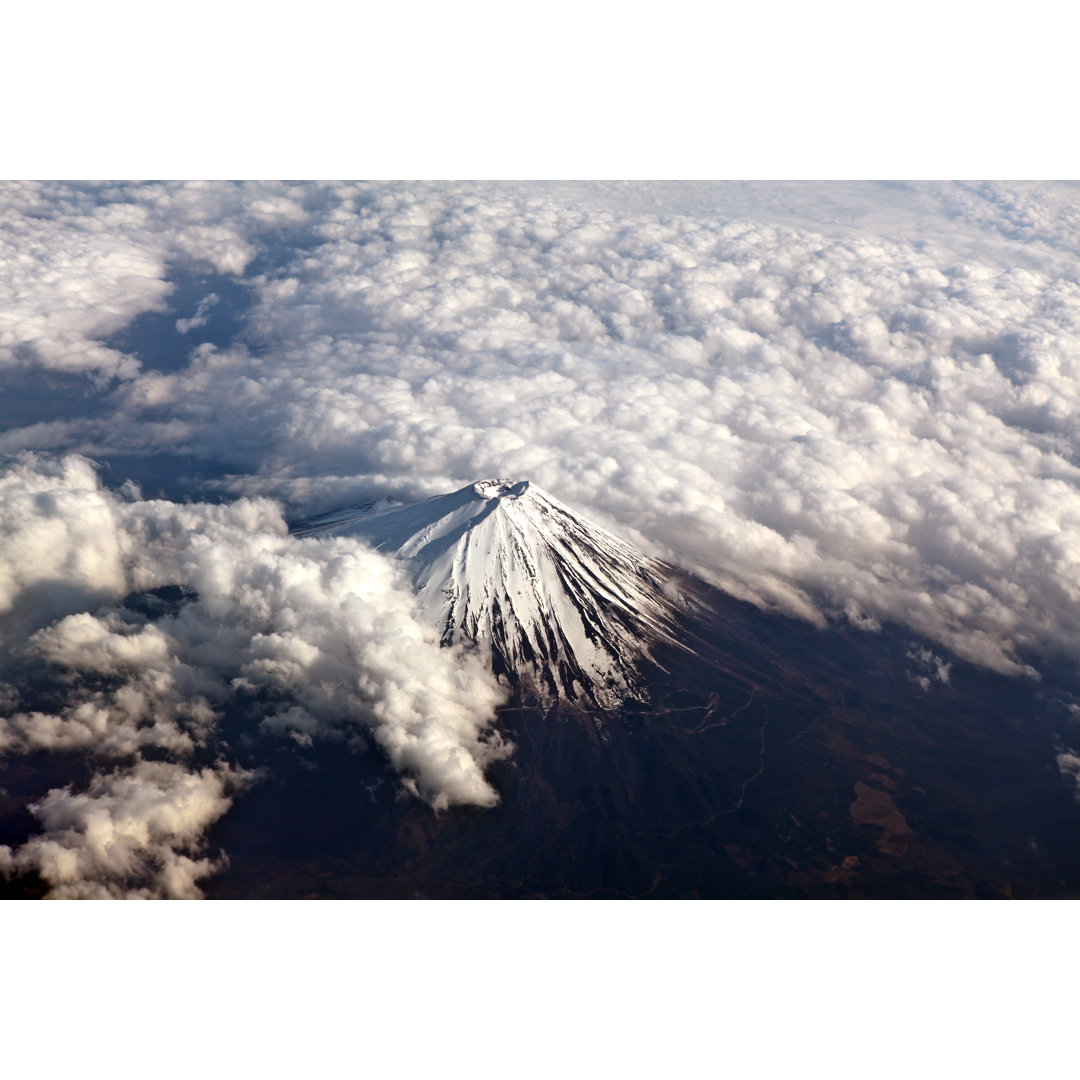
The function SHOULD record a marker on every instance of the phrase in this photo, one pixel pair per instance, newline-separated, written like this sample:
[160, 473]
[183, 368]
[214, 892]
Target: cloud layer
[831, 422]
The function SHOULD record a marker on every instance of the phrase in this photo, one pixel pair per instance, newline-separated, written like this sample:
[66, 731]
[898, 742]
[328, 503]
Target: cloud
[928, 668]
[79, 262]
[327, 626]
[125, 688]
[133, 834]
[1068, 763]
[200, 318]
[62, 545]
[305, 638]
[1036, 214]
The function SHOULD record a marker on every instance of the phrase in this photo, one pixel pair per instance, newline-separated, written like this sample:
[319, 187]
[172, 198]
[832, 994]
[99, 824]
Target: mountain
[742, 753]
[564, 609]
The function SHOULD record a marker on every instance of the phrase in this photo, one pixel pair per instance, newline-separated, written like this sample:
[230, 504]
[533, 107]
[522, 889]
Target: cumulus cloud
[313, 639]
[927, 668]
[62, 546]
[326, 626]
[1036, 214]
[79, 262]
[135, 834]
[125, 688]
[201, 316]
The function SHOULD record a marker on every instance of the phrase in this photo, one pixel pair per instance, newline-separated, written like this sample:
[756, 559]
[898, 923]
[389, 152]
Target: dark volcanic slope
[781, 762]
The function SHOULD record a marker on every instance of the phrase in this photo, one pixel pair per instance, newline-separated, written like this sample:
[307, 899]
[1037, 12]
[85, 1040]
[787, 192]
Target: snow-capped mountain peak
[562, 606]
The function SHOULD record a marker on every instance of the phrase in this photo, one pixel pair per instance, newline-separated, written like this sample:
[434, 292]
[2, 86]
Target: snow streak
[551, 599]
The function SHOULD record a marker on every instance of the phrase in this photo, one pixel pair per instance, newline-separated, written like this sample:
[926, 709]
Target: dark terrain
[781, 762]
[773, 761]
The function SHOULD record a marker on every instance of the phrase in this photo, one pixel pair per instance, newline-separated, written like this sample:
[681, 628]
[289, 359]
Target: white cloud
[61, 544]
[928, 668]
[1068, 763]
[201, 316]
[126, 689]
[133, 834]
[323, 634]
[327, 626]
[79, 262]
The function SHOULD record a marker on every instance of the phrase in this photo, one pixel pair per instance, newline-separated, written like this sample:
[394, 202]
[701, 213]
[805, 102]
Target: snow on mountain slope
[557, 602]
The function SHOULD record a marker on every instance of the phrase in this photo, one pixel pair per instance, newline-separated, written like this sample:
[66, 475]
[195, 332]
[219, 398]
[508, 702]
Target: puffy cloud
[61, 544]
[67, 280]
[1037, 214]
[308, 638]
[928, 667]
[200, 318]
[79, 262]
[134, 834]
[1068, 763]
[331, 628]
[327, 626]
[125, 688]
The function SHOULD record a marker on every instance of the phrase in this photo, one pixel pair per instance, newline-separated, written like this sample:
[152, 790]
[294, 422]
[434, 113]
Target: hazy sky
[846, 402]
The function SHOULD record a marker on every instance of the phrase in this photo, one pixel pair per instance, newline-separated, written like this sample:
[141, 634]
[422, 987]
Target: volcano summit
[565, 610]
